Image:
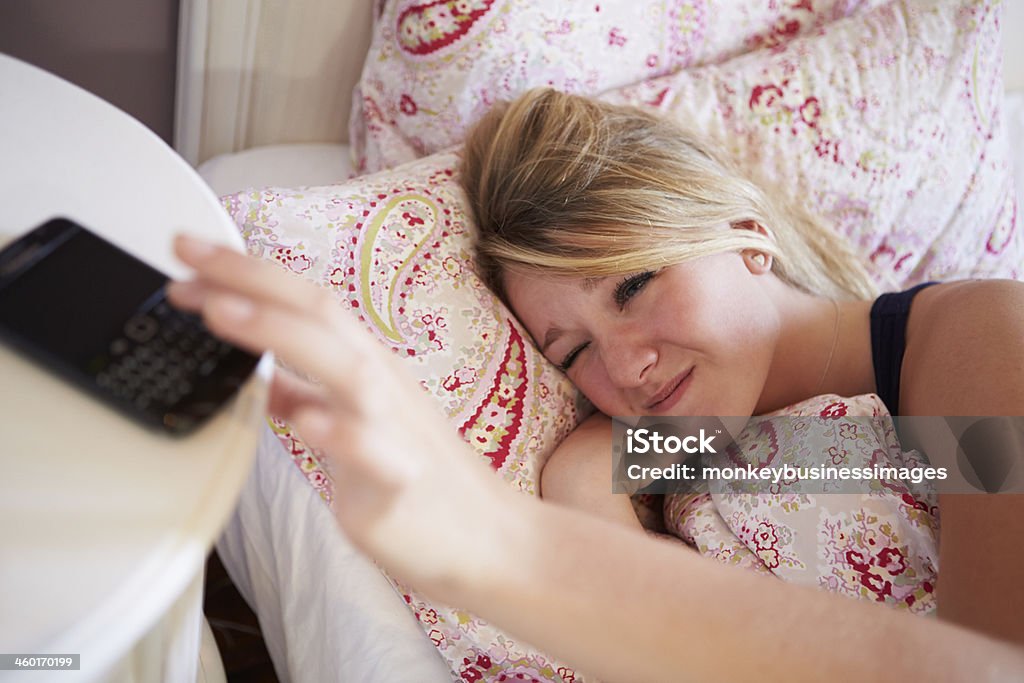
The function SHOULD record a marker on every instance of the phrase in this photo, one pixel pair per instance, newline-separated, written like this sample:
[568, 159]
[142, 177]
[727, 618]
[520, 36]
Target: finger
[316, 425]
[289, 393]
[225, 268]
[357, 457]
[264, 283]
[188, 296]
[304, 343]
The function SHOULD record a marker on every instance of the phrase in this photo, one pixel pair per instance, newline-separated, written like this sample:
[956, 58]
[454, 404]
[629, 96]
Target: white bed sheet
[1013, 116]
[326, 611]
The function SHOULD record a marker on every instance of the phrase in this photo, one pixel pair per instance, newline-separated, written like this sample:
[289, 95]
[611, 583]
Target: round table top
[102, 523]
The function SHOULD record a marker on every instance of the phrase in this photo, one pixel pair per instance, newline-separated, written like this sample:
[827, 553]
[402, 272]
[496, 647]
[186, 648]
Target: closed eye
[628, 287]
[570, 358]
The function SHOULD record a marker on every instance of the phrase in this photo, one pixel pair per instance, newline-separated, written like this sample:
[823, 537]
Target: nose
[628, 359]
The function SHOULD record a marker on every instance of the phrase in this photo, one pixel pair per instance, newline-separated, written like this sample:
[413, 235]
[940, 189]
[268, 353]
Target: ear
[757, 262]
[754, 226]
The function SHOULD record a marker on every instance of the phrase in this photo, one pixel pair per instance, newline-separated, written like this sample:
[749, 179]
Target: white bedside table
[104, 526]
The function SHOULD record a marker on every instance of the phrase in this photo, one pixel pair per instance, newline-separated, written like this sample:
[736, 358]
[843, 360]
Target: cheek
[733, 335]
[741, 343]
[593, 383]
[749, 345]
[731, 312]
[741, 328]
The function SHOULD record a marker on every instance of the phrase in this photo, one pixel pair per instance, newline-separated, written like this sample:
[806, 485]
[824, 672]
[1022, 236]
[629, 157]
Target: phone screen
[98, 316]
[68, 305]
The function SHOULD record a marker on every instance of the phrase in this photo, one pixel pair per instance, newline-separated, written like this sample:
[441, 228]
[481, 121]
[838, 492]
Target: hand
[408, 491]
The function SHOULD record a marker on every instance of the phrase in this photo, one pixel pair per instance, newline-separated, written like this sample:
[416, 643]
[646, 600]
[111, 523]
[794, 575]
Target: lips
[670, 394]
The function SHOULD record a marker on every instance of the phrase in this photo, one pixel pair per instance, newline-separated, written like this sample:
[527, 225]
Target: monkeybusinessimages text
[647, 442]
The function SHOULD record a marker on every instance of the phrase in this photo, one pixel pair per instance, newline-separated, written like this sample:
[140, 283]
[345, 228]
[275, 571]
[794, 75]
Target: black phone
[99, 317]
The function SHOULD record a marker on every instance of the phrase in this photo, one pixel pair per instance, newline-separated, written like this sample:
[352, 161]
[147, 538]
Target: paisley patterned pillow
[880, 546]
[395, 247]
[434, 66]
[887, 124]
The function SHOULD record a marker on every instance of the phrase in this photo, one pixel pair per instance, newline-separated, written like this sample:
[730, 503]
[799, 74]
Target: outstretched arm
[628, 608]
[592, 592]
[579, 474]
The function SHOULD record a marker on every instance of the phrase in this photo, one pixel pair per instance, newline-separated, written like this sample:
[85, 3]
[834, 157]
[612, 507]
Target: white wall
[1013, 44]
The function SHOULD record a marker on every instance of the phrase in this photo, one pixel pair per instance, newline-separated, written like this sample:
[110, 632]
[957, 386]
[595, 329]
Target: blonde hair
[570, 186]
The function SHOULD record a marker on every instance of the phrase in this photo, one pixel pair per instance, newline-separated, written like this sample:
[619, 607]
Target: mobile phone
[98, 316]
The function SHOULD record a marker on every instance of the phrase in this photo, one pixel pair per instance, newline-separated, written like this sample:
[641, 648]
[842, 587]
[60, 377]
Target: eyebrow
[550, 337]
[588, 284]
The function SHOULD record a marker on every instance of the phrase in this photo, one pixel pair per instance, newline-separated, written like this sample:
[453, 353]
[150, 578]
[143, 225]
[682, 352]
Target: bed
[264, 101]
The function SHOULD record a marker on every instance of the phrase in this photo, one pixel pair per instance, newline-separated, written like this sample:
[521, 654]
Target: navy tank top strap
[889, 316]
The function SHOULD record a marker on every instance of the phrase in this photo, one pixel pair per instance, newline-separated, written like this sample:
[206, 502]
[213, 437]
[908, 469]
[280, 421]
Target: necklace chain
[832, 351]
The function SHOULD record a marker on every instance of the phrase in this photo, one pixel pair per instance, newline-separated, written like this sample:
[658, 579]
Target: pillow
[434, 66]
[880, 546]
[887, 124]
[395, 248]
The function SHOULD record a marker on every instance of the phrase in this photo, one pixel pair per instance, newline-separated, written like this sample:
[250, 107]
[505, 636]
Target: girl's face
[691, 339]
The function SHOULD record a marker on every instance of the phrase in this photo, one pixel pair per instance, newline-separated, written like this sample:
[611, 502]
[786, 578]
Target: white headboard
[260, 72]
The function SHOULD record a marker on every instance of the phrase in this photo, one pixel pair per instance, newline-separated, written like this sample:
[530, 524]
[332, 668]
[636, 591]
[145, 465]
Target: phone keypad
[160, 358]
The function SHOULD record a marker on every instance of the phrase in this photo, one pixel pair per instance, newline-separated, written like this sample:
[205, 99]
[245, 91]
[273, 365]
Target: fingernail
[233, 308]
[193, 248]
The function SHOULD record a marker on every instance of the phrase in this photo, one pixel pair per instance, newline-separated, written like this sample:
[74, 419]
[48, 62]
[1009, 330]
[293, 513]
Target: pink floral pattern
[883, 118]
[880, 546]
[886, 124]
[694, 519]
[435, 65]
[395, 249]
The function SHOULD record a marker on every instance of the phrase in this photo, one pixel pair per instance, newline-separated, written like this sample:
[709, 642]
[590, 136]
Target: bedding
[311, 231]
[888, 125]
[880, 545]
[326, 612]
[277, 166]
[394, 248]
[434, 66]
[262, 166]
